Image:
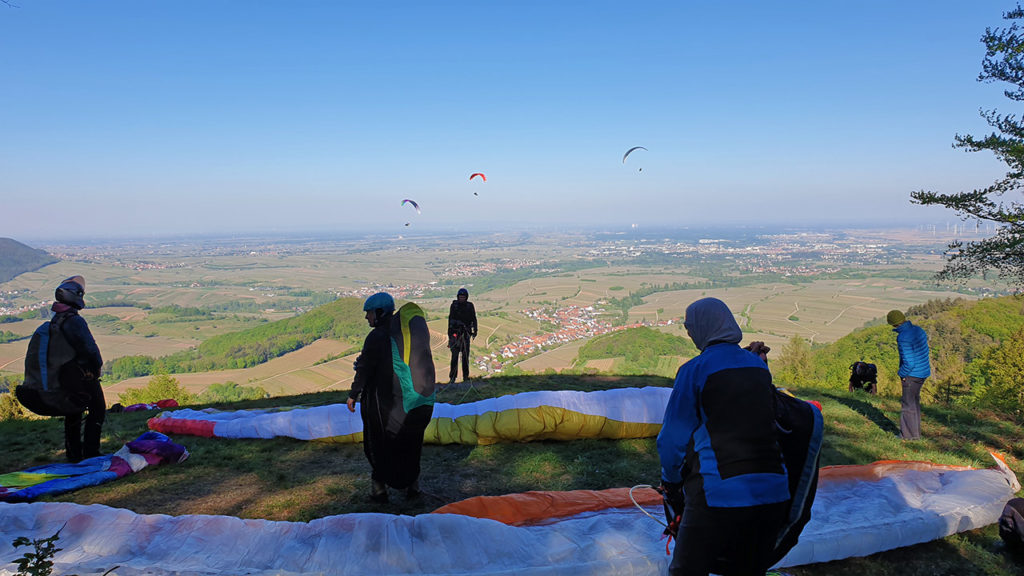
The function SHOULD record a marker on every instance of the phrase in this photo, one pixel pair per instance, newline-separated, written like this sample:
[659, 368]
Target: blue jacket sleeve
[682, 417]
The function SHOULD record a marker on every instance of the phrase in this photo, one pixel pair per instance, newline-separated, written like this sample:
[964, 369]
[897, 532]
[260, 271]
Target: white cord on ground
[665, 524]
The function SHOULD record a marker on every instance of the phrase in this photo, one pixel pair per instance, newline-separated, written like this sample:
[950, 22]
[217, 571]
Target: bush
[160, 387]
[10, 408]
[231, 392]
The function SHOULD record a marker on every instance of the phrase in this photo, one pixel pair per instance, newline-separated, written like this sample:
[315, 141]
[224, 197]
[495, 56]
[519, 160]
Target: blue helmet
[462, 292]
[380, 301]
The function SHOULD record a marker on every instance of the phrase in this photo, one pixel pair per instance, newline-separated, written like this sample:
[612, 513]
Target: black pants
[395, 457]
[727, 541]
[461, 348]
[80, 443]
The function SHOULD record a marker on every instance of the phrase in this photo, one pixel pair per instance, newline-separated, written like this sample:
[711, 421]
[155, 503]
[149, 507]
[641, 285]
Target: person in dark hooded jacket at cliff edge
[82, 374]
[719, 454]
[461, 329]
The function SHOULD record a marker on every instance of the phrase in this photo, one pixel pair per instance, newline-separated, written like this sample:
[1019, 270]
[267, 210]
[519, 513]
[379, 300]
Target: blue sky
[134, 119]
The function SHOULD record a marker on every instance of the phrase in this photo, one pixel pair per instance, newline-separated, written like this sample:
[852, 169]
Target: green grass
[285, 479]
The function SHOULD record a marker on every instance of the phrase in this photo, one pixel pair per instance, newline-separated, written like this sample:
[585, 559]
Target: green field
[239, 284]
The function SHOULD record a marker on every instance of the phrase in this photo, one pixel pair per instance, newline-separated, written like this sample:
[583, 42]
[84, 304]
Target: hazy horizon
[126, 120]
[942, 232]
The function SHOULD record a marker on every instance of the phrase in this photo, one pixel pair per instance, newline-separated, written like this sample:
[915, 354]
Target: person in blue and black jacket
[721, 465]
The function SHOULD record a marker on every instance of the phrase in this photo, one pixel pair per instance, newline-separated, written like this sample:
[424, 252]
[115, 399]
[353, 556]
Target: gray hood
[708, 321]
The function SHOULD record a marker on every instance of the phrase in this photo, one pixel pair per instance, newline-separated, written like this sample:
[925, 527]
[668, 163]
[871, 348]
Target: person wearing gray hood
[719, 454]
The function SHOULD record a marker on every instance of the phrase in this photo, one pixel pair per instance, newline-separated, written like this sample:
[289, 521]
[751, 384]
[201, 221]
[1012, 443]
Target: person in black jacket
[392, 437]
[81, 375]
[461, 328]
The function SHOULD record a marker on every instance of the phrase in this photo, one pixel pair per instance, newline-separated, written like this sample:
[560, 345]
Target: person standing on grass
[392, 429]
[461, 329]
[722, 468]
[81, 375]
[915, 367]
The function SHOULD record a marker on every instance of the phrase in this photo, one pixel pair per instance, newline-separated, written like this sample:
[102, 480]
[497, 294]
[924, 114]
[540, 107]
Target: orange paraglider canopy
[538, 506]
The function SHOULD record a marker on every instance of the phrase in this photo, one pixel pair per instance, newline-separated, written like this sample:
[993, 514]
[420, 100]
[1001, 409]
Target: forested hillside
[977, 354]
[17, 258]
[342, 319]
[640, 350]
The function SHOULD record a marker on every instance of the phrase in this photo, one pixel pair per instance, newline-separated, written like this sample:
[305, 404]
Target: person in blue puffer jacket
[915, 366]
[721, 464]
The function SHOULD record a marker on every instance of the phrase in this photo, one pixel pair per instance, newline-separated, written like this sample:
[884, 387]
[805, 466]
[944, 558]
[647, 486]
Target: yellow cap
[895, 317]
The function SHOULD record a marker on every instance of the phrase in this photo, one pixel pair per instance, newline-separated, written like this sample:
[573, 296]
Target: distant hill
[342, 319]
[17, 258]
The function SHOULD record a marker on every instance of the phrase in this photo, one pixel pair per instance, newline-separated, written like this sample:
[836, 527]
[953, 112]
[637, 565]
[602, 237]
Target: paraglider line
[646, 513]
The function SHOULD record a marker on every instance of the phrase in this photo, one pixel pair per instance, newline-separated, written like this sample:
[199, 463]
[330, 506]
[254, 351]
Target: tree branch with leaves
[1003, 252]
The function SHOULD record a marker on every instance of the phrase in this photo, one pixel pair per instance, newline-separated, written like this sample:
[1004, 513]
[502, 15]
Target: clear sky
[127, 118]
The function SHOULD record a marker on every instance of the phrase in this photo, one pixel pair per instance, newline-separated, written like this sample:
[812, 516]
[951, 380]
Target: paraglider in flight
[630, 151]
[414, 204]
[482, 177]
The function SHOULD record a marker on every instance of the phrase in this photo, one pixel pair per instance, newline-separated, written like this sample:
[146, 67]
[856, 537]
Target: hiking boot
[378, 492]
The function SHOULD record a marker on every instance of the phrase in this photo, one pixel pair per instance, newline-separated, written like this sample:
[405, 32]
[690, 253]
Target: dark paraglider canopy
[414, 204]
[630, 151]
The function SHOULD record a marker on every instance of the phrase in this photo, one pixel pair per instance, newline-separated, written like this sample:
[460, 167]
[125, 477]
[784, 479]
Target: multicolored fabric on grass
[149, 449]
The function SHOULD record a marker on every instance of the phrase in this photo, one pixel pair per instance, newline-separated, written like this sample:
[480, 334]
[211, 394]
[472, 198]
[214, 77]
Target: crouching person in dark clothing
[721, 465]
[81, 375]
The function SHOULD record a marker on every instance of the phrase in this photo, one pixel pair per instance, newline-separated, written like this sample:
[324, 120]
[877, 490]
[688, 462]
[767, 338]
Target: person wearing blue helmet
[392, 437]
[461, 328]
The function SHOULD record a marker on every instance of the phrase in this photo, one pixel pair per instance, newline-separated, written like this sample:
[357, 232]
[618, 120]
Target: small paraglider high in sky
[630, 151]
[474, 175]
[413, 204]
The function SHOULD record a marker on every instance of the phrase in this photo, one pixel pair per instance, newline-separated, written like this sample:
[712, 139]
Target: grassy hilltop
[971, 406]
[285, 479]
